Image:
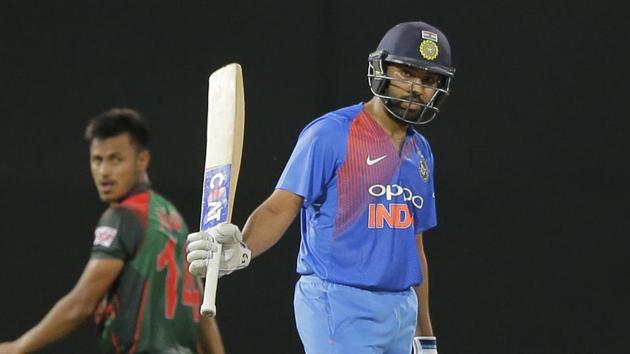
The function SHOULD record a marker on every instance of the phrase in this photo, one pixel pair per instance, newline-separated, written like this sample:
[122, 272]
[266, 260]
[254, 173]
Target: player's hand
[424, 345]
[10, 348]
[235, 254]
[202, 248]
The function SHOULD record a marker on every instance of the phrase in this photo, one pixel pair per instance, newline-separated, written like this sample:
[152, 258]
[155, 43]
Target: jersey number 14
[190, 294]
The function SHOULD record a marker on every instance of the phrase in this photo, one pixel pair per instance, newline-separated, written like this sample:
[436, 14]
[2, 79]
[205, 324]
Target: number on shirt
[190, 293]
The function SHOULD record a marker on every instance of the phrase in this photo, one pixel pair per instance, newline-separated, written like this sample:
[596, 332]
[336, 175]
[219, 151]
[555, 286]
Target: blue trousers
[339, 319]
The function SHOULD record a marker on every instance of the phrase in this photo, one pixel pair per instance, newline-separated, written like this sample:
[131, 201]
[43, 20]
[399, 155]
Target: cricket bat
[224, 145]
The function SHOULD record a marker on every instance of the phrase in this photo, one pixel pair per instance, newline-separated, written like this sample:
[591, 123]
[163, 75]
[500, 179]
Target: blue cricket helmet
[419, 45]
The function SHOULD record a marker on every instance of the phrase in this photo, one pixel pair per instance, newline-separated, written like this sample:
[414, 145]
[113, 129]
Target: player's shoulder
[167, 213]
[422, 145]
[420, 139]
[139, 197]
[345, 114]
[334, 123]
[134, 206]
[117, 214]
[161, 201]
[157, 197]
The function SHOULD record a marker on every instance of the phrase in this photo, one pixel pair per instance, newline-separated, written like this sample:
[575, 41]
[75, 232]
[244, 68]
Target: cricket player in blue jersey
[361, 179]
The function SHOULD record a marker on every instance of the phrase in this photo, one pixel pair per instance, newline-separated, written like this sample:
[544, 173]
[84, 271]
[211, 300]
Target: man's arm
[209, 337]
[266, 225]
[71, 310]
[424, 327]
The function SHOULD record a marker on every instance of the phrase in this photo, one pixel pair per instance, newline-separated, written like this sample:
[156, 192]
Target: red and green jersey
[153, 306]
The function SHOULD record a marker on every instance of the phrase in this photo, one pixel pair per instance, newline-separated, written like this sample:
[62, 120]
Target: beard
[397, 112]
[404, 113]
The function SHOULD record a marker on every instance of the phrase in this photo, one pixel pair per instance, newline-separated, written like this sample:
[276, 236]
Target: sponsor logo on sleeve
[104, 236]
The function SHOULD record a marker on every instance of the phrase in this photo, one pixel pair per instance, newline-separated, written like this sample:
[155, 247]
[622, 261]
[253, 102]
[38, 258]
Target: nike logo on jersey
[371, 162]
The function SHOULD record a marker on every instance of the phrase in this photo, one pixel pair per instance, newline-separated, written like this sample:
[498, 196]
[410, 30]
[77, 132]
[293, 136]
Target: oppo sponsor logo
[390, 191]
[392, 215]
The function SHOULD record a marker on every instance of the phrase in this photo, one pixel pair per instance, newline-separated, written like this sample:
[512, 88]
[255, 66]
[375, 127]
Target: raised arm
[266, 225]
[263, 229]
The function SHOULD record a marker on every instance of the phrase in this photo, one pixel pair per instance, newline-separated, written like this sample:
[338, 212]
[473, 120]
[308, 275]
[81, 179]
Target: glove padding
[424, 345]
[202, 247]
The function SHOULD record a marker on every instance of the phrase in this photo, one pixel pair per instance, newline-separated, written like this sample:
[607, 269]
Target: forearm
[209, 337]
[266, 226]
[62, 319]
[424, 327]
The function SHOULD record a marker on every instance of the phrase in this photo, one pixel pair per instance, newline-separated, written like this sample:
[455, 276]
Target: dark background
[531, 151]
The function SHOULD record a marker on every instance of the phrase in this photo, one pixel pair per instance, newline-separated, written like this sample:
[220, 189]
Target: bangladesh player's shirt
[153, 307]
[364, 201]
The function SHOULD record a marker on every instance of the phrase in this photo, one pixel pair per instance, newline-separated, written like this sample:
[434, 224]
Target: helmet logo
[429, 49]
[430, 36]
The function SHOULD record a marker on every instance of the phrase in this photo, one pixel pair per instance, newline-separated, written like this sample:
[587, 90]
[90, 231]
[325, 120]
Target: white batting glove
[202, 248]
[424, 345]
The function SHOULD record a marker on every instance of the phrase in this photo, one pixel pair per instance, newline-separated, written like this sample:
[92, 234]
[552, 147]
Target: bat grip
[208, 306]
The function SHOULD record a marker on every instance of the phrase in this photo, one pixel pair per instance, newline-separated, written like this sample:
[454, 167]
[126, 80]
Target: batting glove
[424, 345]
[202, 247]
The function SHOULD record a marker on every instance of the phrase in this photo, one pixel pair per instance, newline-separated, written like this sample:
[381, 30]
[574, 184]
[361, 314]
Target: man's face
[412, 84]
[117, 166]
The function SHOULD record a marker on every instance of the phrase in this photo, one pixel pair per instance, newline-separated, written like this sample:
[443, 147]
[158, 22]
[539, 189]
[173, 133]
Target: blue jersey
[364, 201]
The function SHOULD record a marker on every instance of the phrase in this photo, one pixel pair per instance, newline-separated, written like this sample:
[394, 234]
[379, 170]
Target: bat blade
[224, 145]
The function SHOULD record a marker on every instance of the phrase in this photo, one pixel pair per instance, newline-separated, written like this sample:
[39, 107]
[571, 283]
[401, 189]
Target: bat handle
[208, 306]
